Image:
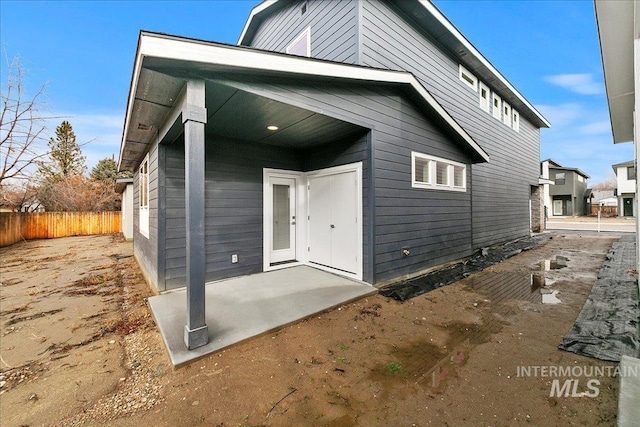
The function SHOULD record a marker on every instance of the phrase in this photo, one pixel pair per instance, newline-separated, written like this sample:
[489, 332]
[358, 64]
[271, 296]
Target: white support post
[194, 117]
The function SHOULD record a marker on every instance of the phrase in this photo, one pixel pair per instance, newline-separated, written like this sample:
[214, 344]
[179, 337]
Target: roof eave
[254, 60]
[615, 22]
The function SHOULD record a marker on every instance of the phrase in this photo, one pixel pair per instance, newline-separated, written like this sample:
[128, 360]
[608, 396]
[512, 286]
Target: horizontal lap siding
[146, 249]
[501, 188]
[333, 29]
[233, 207]
[424, 219]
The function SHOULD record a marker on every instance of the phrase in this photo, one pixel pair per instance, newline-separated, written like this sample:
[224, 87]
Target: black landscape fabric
[608, 325]
[411, 288]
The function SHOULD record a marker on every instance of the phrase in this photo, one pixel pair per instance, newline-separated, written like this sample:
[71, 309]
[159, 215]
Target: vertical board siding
[501, 188]
[16, 226]
[333, 29]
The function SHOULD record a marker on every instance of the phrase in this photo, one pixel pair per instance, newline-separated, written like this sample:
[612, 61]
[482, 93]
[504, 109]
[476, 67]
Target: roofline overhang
[245, 59]
[576, 170]
[618, 25]
[266, 6]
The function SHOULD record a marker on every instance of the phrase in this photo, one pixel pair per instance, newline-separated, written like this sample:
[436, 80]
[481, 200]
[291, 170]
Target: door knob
[333, 226]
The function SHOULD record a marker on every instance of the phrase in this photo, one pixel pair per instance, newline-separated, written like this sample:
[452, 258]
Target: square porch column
[194, 118]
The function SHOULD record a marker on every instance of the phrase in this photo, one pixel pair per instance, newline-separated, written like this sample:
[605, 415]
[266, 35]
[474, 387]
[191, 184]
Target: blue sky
[84, 50]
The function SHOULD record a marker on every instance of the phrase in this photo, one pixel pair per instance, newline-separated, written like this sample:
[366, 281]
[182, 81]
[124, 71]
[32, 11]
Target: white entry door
[282, 240]
[557, 207]
[333, 221]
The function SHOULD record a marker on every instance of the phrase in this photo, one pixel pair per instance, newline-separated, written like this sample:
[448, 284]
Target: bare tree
[608, 184]
[22, 126]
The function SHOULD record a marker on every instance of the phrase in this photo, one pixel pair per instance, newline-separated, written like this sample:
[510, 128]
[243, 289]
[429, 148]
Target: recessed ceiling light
[272, 127]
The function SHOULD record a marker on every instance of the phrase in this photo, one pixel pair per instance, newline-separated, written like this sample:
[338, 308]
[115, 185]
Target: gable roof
[198, 58]
[430, 19]
[622, 165]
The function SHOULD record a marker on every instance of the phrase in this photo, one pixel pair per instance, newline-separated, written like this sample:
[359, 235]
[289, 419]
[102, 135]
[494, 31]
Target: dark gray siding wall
[233, 204]
[501, 188]
[435, 225]
[146, 249]
[333, 29]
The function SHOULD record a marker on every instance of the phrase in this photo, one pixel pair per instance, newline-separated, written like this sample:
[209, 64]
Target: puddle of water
[505, 286]
[423, 363]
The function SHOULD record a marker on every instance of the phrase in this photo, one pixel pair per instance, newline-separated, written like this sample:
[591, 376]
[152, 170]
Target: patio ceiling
[231, 113]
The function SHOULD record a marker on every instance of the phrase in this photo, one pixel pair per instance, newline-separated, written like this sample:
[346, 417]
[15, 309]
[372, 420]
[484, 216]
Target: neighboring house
[619, 33]
[567, 195]
[124, 186]
[604, 202]
[626, 188]
[374, 151]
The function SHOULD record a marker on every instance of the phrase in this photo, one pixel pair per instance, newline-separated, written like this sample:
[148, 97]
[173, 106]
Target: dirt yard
[79, 347]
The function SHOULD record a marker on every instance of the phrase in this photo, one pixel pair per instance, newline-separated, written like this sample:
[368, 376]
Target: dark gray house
[367, 138]
[567, 196]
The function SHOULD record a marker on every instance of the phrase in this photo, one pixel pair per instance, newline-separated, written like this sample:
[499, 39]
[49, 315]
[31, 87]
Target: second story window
[467, 78]
[301, 45]
[631, 173]
[560, 178]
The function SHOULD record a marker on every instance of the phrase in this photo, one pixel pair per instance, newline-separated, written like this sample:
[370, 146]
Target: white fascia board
[169, 47]
[255, 11]
[447, 117]
[616, 34]
[133, 87]
[463, 40]
[162, 46]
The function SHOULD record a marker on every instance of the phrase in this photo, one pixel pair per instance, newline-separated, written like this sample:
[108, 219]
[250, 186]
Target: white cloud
[596, 128]
[578, 83]
[561, 115]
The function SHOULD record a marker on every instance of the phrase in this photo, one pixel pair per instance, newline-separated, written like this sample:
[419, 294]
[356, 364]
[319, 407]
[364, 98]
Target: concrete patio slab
[240, 308]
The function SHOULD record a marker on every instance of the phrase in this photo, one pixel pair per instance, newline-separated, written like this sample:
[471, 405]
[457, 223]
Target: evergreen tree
[66, 159]
[107, 168]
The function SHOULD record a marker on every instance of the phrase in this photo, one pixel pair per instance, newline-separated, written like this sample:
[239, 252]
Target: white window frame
[485, 103]
[306, 34]
[432, 184]
[515, 121]
[143, 197]
[496, 106]
[506, 114]
[467, 78]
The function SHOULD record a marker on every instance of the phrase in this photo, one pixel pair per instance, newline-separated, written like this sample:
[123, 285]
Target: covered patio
[245, 307]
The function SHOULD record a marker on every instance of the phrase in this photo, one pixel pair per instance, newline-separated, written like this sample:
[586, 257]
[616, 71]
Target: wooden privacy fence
[16, 226]
[604, 210]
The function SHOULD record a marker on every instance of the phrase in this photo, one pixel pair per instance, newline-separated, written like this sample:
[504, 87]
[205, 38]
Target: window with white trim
[301, 45]
[467, 78]
[496, 106]
[506, 116]
[435, 173]
[515, 121]
[484, 93]
[143, 196]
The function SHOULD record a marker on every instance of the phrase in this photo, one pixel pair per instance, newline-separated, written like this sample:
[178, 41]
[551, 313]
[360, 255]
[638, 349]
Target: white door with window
[333, 221]
[557, 207]
[282, 238]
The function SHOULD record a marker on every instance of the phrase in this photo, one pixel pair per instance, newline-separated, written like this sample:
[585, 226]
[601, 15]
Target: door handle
[333, 226]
